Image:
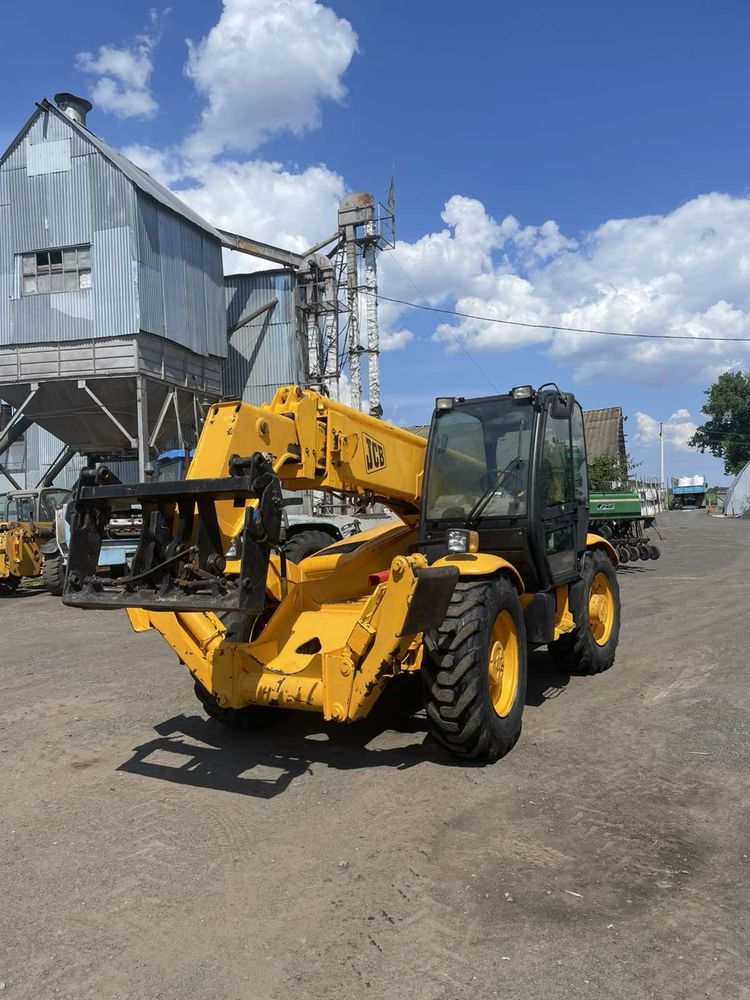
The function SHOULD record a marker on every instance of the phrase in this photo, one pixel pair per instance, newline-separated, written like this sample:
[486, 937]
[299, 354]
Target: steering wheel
[490, 481]
[496, 479]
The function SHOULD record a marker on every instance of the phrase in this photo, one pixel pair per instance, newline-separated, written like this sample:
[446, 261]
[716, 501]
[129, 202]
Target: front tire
[474, 671]
[590, 647]
[53, 575]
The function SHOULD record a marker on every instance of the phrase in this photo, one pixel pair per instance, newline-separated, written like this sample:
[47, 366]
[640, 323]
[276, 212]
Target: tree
[726, 434]
[605, 470]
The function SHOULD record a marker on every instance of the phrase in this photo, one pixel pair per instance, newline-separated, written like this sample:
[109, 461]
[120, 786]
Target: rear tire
[9, 585]
[590, 648]
[53, 575]
[474, 671]
[307, 543]
[250, 717]
[239, 626]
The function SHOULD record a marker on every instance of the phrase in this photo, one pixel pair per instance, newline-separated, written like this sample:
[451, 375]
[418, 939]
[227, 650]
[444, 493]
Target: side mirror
[561, 407]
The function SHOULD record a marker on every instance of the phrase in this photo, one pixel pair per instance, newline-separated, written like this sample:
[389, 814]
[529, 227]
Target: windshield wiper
[500, 476]
[476, 511]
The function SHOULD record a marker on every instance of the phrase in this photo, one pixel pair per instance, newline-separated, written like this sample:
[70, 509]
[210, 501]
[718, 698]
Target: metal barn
[112, 305]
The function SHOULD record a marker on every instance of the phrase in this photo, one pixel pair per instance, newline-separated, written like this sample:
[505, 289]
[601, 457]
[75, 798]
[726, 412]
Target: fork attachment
[181, 560]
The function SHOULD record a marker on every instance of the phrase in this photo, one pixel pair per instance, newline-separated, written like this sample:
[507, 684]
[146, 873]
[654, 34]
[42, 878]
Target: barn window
[66, 270]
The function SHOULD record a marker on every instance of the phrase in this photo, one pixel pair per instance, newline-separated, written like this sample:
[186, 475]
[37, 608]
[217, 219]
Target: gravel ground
[148, 854]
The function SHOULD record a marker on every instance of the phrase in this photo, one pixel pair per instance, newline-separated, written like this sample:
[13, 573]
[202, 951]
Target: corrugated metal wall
[90, 202]
[30, 458]
[265, 353]
[152, 269]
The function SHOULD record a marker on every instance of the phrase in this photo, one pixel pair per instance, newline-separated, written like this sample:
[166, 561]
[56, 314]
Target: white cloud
[164, 165]
[124, 74]
[395, 339]
[266, 66]
[677, 430]
[683, 273]
[254, 198]
[266, 201]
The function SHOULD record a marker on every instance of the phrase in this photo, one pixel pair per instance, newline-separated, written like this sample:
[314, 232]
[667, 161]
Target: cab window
[21, 509]
[580, 471]
[557, 463]
[49, 501]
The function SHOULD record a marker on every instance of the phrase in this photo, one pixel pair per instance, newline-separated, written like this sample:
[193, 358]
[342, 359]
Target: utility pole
[661, 477]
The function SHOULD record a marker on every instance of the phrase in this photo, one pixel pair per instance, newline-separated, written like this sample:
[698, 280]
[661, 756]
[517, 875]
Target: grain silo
[112, 306]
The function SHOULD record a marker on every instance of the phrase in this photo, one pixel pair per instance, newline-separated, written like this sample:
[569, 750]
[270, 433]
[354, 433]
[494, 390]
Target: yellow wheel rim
[601, 609]
[502, 663]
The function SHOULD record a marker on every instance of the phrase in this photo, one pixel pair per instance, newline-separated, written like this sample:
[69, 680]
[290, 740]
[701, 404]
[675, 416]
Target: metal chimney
[76, 108]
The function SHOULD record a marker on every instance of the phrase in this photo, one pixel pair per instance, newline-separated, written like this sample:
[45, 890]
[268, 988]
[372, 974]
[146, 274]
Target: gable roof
[138, 177]
[604, 432]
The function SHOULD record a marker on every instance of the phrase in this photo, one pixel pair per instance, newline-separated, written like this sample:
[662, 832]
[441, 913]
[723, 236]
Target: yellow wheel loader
[27, 527]
[490, 556]
[19, 555]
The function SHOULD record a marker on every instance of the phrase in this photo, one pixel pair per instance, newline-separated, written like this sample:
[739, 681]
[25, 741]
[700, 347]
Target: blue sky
[520, 134]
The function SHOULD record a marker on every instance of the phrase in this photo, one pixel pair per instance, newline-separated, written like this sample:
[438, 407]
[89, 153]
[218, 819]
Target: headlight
[462, 540]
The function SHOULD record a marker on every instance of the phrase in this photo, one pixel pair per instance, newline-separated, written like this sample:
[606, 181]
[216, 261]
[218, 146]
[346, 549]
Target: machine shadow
[545, 680]
[193, 750]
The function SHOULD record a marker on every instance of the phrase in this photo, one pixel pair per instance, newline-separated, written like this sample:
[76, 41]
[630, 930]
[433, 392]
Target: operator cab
[513, 469]
[37, 506]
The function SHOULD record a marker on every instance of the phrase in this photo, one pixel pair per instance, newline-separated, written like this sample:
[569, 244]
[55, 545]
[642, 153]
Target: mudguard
[597, 542]
[481, 564]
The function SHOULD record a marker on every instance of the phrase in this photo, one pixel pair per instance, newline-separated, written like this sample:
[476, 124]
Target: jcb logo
[374, 454]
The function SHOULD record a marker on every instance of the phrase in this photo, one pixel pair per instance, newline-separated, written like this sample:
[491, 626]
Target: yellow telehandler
[490, 556]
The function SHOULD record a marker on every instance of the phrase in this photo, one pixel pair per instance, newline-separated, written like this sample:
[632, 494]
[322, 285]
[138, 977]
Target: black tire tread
[577, 652]
[53, 575]
[239, 626]
[454, 674]
[307, 543]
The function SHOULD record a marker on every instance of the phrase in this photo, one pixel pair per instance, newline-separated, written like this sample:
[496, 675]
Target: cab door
[563, 492]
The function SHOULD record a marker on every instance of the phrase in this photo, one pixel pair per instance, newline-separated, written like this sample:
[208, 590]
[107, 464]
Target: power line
[563, 329]
[455, 337]
[725, 434]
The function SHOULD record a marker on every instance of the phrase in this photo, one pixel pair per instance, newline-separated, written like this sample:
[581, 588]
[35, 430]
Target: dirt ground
[148, 854]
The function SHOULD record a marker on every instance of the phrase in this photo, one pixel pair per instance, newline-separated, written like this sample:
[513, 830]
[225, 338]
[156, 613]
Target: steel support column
[141, 405]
